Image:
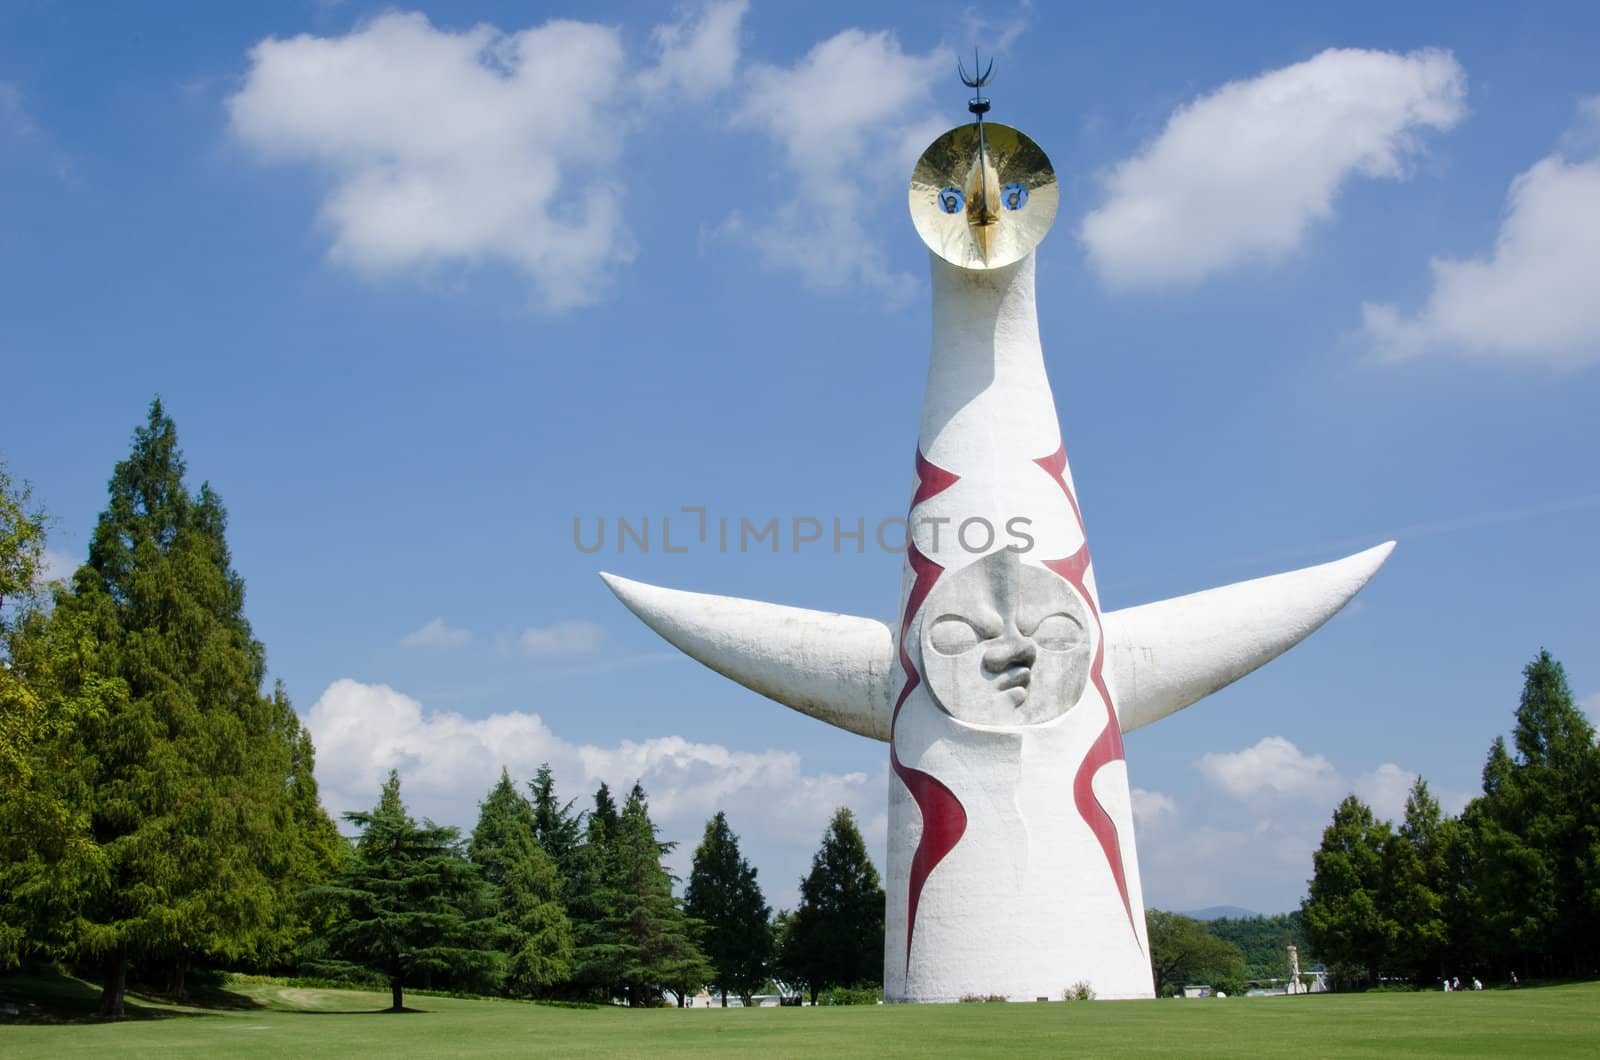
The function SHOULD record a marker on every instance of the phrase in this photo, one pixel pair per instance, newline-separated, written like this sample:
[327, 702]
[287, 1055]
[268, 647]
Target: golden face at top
[983, 196]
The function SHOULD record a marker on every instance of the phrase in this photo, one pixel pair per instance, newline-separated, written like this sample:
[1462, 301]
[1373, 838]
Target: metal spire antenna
[978, 105]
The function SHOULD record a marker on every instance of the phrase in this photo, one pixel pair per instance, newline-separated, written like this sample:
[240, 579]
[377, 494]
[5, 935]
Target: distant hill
[1217, 912]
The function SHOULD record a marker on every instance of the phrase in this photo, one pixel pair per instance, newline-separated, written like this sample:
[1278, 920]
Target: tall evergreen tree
[589, 900]
[504, 817]
[51, 675]
[401, 902]
[310, 851]
[1536, 833]
[836, 938]
[558, 829]
[1415, 886]
[603, 819]
[1344, 914]
[534, 937]
[723, 894]
[650, 936]
[182, 781]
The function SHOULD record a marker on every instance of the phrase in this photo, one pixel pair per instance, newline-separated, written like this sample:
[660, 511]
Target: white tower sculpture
[1002, 689]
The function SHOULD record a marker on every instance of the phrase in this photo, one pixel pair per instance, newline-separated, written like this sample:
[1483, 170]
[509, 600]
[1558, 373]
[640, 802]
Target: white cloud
[1385, 790]
[1151, 807]
[436, 634]
[1242, 174]
[1254, 846]
[697, 54]
[1272, 765]
[1276, 767]
[1530, 299]
[560, 638]
[453, 147]
[850, 118]
[998, 34]
[447, 763]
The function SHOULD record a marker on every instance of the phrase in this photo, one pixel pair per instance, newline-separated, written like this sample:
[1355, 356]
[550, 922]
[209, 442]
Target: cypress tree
[597, 955]
[1536, 833]
[1344, 915]
[558, 829]
[723, 894]
[183, 781]
[533, 936]
[1415, 888]
[836, 937]
[650, 938]
[51, 675]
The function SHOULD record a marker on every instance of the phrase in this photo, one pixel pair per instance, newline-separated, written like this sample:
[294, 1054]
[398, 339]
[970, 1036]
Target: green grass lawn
[270, 1021]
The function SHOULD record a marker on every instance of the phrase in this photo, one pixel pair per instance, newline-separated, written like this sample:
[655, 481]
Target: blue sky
[423, 286]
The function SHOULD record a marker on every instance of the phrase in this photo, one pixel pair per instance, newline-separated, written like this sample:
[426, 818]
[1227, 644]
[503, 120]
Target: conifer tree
[533, 934]
[1415, 887]
[724, 896]
[1536, 834]
[1344, 915]
[51, 675]
[401, 903]
[650, 937]
[836, 937]
[558, 829]
[182, 781]
[597, 954]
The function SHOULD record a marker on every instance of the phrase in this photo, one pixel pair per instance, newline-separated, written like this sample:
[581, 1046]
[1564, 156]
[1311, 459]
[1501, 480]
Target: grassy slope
[273, 1021]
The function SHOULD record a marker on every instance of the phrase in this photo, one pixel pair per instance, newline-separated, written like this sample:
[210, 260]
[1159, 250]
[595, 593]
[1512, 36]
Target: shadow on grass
[52, 998]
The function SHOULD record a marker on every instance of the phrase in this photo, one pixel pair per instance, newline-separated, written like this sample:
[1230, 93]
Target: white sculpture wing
[1161, 657]
[836, 668]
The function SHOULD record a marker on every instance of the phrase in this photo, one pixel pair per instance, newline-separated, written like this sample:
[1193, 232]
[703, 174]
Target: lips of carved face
[1005, 643]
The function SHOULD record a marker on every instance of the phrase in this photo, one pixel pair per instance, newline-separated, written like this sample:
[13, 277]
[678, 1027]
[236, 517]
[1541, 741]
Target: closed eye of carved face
[957, 635]
[1058, 632]
[1005, 643]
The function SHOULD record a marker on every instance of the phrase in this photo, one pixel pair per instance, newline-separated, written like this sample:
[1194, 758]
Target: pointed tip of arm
[836, 668]
[1162, 657]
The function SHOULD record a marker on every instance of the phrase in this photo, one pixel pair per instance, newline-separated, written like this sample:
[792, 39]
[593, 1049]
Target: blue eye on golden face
[951, 200]
[1014, 196]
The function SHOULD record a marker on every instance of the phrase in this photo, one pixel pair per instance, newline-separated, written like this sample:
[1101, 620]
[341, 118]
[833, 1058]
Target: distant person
[1477, 984]
[1447, 985]
[1455, 983]
[1514, 983]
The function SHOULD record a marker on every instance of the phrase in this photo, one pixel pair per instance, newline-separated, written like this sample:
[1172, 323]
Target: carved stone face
[1005, 643]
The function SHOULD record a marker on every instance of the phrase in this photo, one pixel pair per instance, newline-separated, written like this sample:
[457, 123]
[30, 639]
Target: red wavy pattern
[1107, 746]
[944, 819]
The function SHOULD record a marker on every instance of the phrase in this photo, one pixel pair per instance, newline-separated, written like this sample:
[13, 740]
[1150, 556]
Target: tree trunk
[724, 999]
[395, 991]
[115, 984]
[813, 989]
[176, 973]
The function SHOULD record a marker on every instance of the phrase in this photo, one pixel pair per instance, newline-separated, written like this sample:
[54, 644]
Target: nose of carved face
[1010, 658]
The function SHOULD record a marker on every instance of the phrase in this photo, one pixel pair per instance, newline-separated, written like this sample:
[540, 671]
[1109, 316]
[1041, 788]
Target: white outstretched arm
[836, 668]
[1161, 657]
